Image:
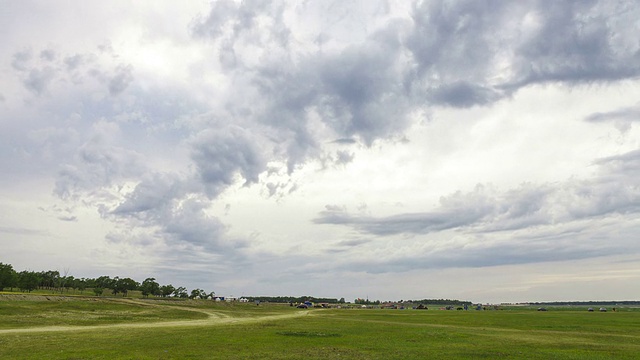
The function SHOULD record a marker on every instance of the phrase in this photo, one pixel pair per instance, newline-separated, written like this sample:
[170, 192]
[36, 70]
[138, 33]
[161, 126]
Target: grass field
[87, 328]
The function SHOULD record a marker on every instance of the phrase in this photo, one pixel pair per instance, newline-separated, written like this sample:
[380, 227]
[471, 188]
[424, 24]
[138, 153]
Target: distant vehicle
[302, 306]
[590, 309]
[603, 309]
[542, 309]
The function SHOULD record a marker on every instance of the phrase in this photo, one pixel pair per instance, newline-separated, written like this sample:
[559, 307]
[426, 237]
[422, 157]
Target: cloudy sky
[479, 150]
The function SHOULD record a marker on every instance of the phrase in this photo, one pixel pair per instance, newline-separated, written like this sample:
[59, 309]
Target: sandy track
[213, 318]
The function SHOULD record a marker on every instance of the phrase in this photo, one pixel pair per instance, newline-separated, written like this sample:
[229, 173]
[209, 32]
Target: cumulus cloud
[488, 210]
[531, 223]
[98, 163]
[220, 154]
[469, 53]
[457, 54]
[167, 208]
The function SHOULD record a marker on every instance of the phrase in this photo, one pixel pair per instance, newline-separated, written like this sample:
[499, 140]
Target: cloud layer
[215, 140]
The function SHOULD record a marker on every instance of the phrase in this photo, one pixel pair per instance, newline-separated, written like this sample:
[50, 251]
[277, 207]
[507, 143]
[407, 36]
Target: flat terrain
[117, 328]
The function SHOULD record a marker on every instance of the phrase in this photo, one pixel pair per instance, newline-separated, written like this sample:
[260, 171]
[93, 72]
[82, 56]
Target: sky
[478, 150]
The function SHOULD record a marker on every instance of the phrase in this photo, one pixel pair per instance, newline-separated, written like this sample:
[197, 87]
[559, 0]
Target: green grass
[84, 312]
[326, 334]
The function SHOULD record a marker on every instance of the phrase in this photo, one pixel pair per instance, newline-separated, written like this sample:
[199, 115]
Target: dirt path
[213, 318]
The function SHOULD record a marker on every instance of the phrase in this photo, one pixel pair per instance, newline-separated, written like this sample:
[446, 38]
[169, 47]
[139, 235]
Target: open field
[90, 328]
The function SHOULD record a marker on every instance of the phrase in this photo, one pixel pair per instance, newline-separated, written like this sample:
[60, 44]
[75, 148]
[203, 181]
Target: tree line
[51, 280]
[294, 299]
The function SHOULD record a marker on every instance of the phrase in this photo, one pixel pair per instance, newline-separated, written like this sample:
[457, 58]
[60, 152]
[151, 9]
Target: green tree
[49, 280]
[80, 284]
[28, 280]
[181, 292]
[150, 287]
[68, 282]
[200, 294]
[167, 290]
[125, 285]
[98, 291]
[104, 282]
[8, 276]
[115, 289]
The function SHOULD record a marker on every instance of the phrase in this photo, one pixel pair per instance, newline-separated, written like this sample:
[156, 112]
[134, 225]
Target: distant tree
[49, 280]
[114, 286]
[166, 290]
[125, 285]
[195, 293]
[80, 284]
[203, 294]
[150, 287]
[68, 282]
[28, 280]
[181, 292]
[64, 280]
[98, 291]
[8, 276]
[104, 282]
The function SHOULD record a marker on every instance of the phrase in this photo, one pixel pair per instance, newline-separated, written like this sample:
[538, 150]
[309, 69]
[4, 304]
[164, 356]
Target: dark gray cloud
[48, 54]
[458, 54]
[630, 114]
[472, 53]
[121, 79]
[580, 41]
[418, 223]
[456, 211]
[68, 218]
[354, 242]
[168, 208]
[345, 141]
[151, 196]
[222, 153]
[462, 94]
[38, 80]
[356, 92]
[74, 61]
[21, 59]
[622, 118]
